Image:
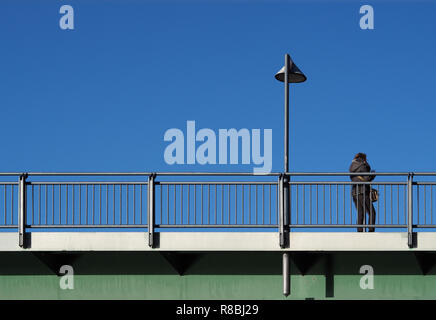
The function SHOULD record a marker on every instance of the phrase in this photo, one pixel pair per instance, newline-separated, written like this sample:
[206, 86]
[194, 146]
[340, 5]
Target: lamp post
[290, 73]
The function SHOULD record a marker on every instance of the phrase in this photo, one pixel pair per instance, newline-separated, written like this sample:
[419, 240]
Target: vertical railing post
[281, 212]
[150, 209]
[21, 209]
[286, 208]
[410, 210]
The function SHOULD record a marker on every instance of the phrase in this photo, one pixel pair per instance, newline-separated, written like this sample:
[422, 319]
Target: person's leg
[371, 212]
[358, 202]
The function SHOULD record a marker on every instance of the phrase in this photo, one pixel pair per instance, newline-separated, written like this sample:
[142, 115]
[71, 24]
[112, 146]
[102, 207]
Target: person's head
[361, 156]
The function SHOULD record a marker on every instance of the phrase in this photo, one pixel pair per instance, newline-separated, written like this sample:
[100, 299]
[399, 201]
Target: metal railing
[86, 204]
[330, 204]
[159, 202]
[236, 204]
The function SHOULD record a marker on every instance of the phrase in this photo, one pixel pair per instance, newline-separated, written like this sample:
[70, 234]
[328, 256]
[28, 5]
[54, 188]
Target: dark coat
[359, 165]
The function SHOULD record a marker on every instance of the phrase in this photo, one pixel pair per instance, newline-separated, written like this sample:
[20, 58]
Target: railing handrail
[216, 173]
[139, 174]
[306, 174]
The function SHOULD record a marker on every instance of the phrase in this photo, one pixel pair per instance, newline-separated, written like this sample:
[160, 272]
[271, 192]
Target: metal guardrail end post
[281, 213]
[151, 209]
[22, 209]
[410, 241]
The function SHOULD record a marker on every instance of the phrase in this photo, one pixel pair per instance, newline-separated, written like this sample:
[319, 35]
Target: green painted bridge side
[218, 275]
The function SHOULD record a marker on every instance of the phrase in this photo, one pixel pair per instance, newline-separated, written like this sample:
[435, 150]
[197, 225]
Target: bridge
[152, 226]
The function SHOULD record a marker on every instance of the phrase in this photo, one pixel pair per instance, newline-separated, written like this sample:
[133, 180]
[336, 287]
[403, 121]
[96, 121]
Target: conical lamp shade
[295, 74]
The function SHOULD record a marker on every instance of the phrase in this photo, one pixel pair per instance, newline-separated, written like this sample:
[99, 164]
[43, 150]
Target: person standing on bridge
[361, 193]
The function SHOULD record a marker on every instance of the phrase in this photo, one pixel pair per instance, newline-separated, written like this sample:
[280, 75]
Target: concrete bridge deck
[218, 241]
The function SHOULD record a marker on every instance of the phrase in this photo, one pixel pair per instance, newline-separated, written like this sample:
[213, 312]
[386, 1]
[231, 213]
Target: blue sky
[100, 97]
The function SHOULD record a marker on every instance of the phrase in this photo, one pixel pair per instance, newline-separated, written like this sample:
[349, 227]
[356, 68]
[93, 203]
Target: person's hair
[360, 155]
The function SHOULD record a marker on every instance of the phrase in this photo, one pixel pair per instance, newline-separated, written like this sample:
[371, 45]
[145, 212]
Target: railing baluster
[134, 204]
[66, 204]
[304, 203]
[80, 204]
[208, 204]
[323, 202]
[249, 203]
[195, 204]
[33, 203]
[270, 186]
[93, 204]
[216, 206]
[201, 203]
[113, 204]
[222, 204]
[330, 203]
[405, 204]
[60, 204]
[337, 204]
[256, 203]
[73, 202]
[310, 204]
[417, 204]
[12, 204]
[343, 190]
[181, 203]
[384, 200]
[140, 204]
[121, 204]
[392, 206]
[378, 205]
[161, 202]
[107, 204]
[398, 204]
[174, 213]
[262, 209]
[189, 204]
[425, 205]
[5, 211]
[52, 204]
[317, 204]
[296, 205]
[228, 199]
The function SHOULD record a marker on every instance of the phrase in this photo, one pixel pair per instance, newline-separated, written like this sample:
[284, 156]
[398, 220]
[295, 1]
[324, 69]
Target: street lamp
[290, 73]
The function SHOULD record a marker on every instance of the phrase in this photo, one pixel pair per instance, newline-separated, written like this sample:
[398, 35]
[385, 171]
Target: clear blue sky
[100, 97]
